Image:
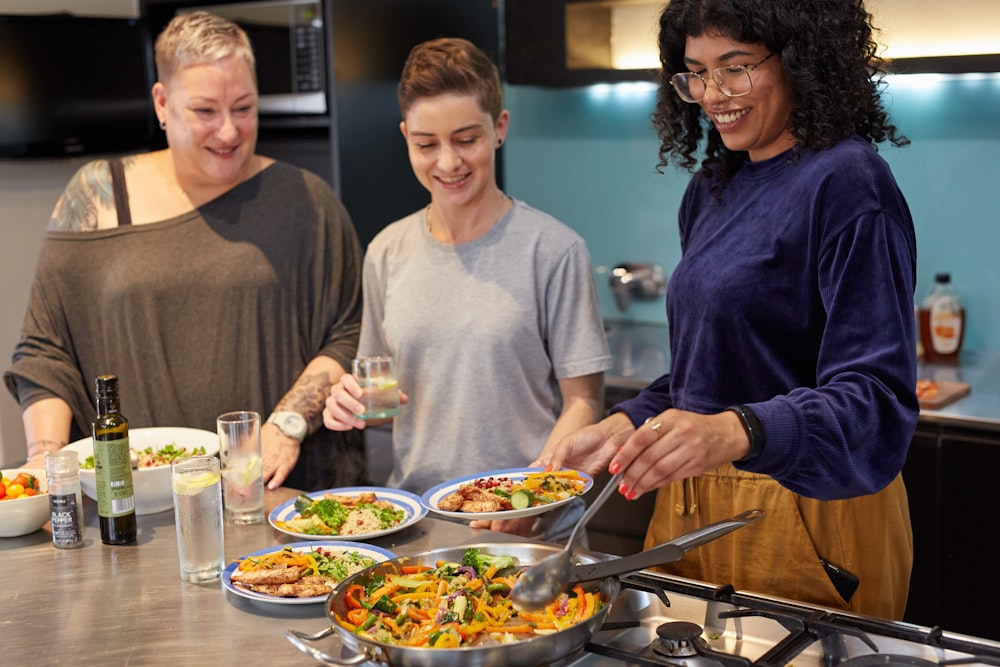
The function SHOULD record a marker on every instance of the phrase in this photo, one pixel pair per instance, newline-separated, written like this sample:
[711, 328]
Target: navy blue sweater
[794, 296]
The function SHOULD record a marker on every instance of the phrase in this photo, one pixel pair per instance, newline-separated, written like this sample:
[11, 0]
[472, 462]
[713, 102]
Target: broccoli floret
[481, 562]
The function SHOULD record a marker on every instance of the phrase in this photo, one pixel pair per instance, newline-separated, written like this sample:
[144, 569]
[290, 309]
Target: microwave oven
[288, 40]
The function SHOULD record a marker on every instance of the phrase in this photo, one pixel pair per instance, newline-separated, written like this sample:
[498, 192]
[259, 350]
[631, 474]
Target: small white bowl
[152, 485]
[21, 516]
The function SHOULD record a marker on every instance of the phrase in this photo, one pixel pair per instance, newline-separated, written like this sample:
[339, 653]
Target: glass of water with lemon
[377, 377]
[197, 486]
[242, 472]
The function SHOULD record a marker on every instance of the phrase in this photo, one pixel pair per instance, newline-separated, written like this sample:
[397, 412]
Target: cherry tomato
[30, 492]
[3, 491]
[15, 490]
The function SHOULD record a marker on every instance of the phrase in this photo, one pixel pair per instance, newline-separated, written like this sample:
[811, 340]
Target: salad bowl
[151, 480]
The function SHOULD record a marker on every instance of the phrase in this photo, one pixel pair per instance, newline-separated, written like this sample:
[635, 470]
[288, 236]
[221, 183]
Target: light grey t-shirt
[480, 331]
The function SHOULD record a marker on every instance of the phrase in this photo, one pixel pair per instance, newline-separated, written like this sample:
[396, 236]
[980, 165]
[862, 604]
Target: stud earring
[163, 125]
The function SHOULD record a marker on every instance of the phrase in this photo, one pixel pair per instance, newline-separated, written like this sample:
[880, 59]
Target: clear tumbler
[197, 485]
[242, 471]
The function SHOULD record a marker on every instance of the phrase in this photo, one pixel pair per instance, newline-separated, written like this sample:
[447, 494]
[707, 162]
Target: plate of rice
[348, 513]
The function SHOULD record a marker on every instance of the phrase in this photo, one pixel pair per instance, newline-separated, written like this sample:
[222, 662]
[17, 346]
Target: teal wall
[588, 156]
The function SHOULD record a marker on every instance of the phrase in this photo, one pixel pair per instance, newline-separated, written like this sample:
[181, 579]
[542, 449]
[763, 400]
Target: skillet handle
[299, 639]
[706, 534]
[667, 552]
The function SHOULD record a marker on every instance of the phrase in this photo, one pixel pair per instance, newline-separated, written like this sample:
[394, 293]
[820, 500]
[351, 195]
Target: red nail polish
[623, 489]
[614, 467]
[631, 495]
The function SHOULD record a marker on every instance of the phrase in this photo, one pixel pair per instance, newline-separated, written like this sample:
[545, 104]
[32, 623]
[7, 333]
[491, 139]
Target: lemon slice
[252, 470]
[192, 485]
[387, 384]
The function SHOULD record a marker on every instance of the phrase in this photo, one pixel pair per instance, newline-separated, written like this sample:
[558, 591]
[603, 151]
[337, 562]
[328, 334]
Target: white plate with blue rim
[376, 554]
[486, 480]
[409, 503]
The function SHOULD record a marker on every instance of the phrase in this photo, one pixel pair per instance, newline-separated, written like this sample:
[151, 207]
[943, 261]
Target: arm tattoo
[307, 397]
[87, 192]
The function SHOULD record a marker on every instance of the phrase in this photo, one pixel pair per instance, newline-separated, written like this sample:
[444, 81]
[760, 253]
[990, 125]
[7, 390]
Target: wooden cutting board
[948, 392]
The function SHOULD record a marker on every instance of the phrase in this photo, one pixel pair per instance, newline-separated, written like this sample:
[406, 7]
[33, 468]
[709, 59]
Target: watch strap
[754, 430]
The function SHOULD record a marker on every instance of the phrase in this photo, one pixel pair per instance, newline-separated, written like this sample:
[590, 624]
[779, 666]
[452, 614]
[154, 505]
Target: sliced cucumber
[521, 499]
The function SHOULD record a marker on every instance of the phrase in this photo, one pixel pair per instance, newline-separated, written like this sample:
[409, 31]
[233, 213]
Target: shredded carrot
[447, 608]
[416, 614]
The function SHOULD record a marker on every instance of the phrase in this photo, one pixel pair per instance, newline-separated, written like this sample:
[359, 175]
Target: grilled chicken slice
[280, 575]
[354, 501]
[297, 590]
[470, 498]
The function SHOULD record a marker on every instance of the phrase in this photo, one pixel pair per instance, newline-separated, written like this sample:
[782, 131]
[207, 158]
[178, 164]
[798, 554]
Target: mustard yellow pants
[779, 555]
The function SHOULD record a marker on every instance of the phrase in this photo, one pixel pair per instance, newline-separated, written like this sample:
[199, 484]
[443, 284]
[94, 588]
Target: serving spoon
[543, 582]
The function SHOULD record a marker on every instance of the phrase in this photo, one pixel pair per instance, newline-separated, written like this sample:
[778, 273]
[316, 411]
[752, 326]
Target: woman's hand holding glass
[344, 404]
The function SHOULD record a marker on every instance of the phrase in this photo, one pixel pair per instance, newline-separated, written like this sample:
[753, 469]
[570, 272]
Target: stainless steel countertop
[981, 408]
[640, 354]
[126, 605]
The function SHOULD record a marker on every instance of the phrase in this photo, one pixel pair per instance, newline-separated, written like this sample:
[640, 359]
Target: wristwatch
[291, 424]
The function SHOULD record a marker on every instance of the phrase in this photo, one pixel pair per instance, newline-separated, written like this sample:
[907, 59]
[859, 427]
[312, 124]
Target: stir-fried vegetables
[456, 604]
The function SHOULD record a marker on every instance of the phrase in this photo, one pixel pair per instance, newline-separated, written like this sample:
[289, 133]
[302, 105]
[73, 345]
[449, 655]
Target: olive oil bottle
[113, 466]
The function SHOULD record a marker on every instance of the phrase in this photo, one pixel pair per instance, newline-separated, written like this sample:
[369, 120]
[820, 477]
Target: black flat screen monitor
[73, 85]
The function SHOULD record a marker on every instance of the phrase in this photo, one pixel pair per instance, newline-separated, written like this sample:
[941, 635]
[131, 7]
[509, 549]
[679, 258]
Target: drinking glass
[377, 377]
[196, 482]
[242, 472]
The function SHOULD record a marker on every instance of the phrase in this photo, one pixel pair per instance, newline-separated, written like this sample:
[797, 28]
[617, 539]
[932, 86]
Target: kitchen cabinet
[535, 48]
[923, 488]
[951, 477]
[970, 507]
[602, 32]
[357, 146]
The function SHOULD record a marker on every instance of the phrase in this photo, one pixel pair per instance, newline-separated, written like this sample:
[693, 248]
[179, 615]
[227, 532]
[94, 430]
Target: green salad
[151, 458]
[343, 515]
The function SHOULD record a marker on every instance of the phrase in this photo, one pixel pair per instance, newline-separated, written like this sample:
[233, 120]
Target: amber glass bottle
[113, 466]
[942, 323]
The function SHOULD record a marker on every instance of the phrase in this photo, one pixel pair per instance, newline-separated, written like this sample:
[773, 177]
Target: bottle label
[65, 518]
[113, 473]
[946, 326]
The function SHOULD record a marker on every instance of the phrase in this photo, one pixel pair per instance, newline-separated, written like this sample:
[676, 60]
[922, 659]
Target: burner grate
[662, 621]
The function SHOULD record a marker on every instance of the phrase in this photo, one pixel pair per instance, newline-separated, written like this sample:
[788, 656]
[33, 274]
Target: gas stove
[661, 620]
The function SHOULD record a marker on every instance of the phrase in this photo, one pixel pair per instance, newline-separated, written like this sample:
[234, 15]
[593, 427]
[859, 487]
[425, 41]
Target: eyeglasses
[733, 81]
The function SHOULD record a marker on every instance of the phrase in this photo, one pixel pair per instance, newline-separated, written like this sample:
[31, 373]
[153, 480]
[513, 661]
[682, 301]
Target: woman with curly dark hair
[793, 373]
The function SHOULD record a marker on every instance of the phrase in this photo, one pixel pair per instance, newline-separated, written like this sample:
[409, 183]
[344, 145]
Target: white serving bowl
[152, 485]
[21, 516]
